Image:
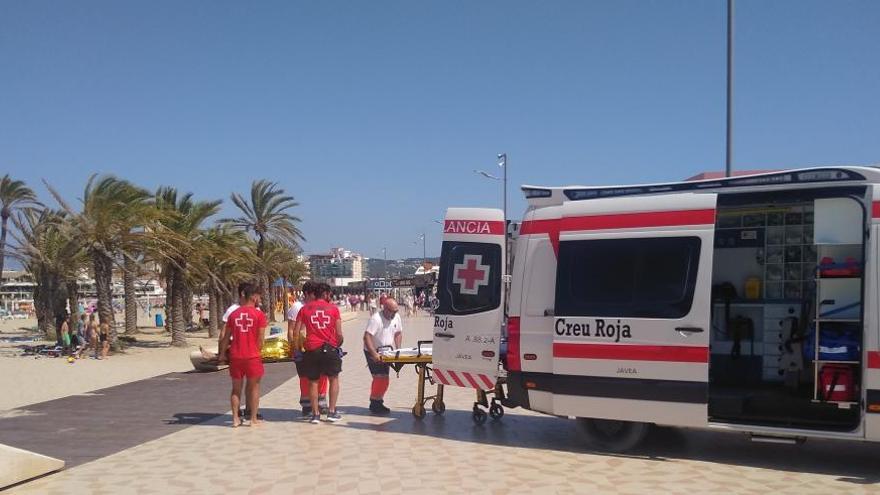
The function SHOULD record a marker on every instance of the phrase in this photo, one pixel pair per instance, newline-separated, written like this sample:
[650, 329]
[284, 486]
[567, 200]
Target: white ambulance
[743, 304]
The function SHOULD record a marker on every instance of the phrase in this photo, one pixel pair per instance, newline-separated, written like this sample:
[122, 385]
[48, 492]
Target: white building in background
[338, 268]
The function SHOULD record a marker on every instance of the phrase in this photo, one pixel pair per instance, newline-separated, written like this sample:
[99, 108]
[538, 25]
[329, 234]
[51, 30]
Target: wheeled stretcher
[420, 357]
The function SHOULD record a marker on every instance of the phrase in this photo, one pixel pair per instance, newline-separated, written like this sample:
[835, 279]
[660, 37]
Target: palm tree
[223, 261]
[13, 194]
[52, 253]
[181, 228]
[115, 215]
[266, 215]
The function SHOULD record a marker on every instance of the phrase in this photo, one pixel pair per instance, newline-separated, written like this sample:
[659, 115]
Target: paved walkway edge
[18, 466]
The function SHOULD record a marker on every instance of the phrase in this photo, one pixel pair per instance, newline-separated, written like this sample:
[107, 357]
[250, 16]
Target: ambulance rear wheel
[612, 435]
[479, 416]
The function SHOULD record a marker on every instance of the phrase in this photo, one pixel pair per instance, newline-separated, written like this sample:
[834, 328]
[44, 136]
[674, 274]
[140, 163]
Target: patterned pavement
[524, 452]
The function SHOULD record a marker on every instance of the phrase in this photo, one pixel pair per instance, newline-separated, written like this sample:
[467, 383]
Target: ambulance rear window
[641, 278]
[470, 278]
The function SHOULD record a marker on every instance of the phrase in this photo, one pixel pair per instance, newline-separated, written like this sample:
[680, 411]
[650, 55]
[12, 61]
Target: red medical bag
[837, 383]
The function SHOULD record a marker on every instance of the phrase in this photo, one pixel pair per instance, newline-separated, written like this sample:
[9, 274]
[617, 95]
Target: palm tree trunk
[268, 299]
[214, 313]
[43, 307]
[103, 266]
[187, 302]
[128, 276]
[73, 298]
[169, 299]
[284, 300]
[5, 222]
[178, 325]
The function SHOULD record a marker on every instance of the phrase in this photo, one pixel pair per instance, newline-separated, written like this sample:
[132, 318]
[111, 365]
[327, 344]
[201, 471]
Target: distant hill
[374, 268]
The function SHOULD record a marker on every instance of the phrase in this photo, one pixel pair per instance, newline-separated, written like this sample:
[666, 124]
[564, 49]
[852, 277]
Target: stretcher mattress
[407, 355]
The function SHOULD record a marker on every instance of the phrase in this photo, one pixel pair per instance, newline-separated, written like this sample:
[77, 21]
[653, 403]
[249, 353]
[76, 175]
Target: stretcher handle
[419, 346]
[386, 348]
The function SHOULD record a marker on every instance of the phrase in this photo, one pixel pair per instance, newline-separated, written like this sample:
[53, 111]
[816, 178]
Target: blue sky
[374, 114]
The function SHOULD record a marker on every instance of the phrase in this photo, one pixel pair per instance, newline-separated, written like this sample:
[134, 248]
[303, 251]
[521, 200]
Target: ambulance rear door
[632, 309]
[468, 321]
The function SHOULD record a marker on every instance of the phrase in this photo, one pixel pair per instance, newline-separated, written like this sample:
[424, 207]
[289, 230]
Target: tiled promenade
[523, 453]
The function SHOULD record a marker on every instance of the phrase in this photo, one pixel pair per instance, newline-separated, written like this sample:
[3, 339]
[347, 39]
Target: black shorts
[322, 361]
[377, 368]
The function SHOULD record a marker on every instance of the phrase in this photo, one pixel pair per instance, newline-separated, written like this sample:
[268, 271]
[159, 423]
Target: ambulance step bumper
[777, 439]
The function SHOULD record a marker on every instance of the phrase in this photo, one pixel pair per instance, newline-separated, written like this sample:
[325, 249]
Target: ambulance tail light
[513, 350]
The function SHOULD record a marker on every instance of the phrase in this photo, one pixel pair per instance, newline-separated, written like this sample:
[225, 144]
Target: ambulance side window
[470, 278]
[642, 278]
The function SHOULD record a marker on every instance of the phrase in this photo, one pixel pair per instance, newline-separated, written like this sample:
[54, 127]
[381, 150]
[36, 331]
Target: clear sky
[374, 114]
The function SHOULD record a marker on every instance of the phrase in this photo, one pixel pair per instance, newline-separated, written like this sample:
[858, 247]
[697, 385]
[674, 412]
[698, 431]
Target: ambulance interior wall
[748, 386]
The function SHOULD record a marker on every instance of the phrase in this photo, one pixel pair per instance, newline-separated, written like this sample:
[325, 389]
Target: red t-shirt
[244, 324]
[319, 318]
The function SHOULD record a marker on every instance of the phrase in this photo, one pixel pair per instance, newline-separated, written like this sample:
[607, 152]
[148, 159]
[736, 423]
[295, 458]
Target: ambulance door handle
[447, 335]
[688, 330]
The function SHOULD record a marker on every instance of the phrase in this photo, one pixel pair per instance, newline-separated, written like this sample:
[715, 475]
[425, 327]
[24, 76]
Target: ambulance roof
[842, 175]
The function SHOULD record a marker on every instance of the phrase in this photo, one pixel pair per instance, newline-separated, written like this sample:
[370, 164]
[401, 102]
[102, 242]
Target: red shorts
[241, 368]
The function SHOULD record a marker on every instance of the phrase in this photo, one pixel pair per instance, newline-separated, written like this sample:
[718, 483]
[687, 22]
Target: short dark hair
[248, 289]
[324, 289]
[309, 287]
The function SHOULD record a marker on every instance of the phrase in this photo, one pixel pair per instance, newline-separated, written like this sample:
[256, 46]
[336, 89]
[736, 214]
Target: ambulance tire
[611, 435]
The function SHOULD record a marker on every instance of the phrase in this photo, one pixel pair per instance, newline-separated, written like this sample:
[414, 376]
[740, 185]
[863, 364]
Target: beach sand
[28, 380]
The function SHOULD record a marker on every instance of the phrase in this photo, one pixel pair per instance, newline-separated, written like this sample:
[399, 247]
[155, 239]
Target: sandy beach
[28, 380]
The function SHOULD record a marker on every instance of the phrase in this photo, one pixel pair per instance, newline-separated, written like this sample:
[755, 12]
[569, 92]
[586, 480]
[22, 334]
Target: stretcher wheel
[418, 411]
[496, 411]
[439, 407]
[479, 416]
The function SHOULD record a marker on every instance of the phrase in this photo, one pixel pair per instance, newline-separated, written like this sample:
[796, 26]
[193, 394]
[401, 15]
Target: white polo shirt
[383, 330]
[293, 310]
[229, 311]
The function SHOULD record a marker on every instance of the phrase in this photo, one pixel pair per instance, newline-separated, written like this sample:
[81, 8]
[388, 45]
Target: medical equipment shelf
[819, 320]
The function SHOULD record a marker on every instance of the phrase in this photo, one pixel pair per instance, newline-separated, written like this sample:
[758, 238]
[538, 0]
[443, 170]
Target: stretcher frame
[422, 363]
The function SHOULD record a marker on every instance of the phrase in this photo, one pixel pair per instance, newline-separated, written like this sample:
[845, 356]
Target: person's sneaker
[315, 419]
[377, 407]
[333, 416]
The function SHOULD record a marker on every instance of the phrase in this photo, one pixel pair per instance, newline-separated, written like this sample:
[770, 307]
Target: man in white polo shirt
[384, 329]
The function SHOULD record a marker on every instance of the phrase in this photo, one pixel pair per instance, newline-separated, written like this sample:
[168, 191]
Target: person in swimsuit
[104, 339]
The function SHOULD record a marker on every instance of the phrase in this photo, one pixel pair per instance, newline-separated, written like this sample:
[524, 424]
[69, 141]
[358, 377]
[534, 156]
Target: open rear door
[633, 286]
[468, 322]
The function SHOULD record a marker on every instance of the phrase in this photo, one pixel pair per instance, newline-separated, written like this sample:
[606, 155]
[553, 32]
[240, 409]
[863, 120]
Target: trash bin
[159, 322]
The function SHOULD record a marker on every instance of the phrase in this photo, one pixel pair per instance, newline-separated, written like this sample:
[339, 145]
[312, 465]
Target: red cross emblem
[471, 274]
[244, 322]
[320, 319]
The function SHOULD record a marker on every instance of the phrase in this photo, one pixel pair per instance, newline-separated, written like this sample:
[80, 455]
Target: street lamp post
[728, 149]
[502, 162]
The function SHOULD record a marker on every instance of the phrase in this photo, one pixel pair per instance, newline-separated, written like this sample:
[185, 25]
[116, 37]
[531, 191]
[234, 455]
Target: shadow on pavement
[852, 462]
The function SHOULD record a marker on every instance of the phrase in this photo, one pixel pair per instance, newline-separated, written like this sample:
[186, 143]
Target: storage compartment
[799, 363]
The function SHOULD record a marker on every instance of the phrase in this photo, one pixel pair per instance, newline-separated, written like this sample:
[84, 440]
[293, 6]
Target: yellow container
[753, 288]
